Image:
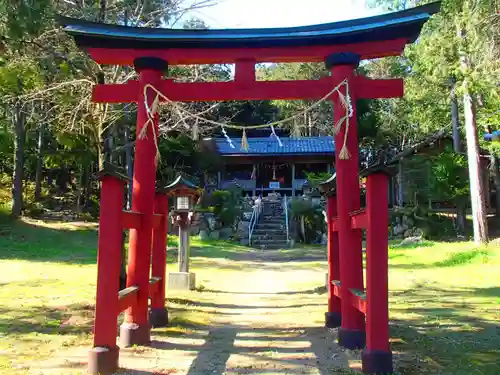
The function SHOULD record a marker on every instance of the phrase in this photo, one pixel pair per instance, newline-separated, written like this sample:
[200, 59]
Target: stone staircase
[270, 231]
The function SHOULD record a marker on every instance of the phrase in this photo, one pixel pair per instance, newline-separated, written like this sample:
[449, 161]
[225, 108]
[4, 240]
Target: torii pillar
[352, 330]
[136, 328]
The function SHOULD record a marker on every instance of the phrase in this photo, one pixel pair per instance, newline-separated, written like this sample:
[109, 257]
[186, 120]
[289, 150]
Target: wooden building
[412, 176]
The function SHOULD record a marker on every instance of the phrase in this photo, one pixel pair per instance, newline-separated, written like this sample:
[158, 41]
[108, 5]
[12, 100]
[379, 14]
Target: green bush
[431, 226]
[225, 205]
[316, 178]
[34, 209]
[5, 209]
[308, 219]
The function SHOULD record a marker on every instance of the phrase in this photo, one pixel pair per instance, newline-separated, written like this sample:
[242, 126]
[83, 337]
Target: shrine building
[272, 164]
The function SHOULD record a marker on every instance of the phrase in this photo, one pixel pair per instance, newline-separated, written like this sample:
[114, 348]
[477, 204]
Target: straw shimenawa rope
[344, 99]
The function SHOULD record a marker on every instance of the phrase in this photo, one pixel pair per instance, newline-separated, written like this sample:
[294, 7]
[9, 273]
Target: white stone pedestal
[181, 281]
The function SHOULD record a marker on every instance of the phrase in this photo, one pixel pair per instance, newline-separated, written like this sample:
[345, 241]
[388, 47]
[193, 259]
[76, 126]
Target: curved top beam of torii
[370, 37]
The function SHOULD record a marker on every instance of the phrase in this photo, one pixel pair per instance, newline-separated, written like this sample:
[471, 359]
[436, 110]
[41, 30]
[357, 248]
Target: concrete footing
[181, 281]
[377, 362]
[352, 338]
[158, 317]
[133, 334]
[333, 319]
[103, 361]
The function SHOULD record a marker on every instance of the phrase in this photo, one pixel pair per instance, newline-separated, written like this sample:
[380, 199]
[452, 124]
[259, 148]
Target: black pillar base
[333, 319]
[133, 334]
[352, 338]
[158, 317]
[103, 361]
[377, 362]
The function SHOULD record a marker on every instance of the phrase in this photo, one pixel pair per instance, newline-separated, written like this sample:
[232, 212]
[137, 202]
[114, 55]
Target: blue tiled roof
[269, 146]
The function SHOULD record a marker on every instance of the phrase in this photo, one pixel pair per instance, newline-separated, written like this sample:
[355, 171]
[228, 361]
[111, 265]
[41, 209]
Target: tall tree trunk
[17, 183]
[495, 164]
[102, 11]
[102, 136]
[50, 177]
[475, 177]
[457, 147]
[303, 228]
[401, 195]
[79, 190]
[39, 163]
[100, 157]
[108, 145]
[63, 178]
[87, 186]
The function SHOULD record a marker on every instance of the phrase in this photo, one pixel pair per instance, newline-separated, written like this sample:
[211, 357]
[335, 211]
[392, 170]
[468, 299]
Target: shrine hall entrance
[264, 177]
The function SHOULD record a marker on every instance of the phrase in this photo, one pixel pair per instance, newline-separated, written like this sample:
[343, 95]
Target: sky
[279, 13]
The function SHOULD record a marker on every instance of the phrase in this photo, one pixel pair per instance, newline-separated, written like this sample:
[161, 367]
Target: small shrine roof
[180, 181]
[330, 185]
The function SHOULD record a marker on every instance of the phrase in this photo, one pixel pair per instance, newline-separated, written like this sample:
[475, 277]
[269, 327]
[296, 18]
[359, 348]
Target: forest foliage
[58, 138]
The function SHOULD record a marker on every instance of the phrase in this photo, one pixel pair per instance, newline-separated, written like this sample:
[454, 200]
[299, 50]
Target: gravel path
[265, 317]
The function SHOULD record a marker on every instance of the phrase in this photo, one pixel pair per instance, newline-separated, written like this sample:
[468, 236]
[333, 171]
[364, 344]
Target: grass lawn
[445, 297]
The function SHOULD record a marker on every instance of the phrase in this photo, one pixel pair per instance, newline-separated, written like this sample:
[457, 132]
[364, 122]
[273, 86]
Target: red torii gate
[341, 46]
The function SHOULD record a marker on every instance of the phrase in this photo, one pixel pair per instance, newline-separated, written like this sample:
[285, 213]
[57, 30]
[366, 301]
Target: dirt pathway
[258, 315]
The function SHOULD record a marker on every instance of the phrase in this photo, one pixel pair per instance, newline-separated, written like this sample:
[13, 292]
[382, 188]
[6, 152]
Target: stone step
[264, 225]
[268, 242]
[262, 221]
[266, 237]
[270, 226]
[270, 246]
[272, 217]
[274, 230]
[271, 231]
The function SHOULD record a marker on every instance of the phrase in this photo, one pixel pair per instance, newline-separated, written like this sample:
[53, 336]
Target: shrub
[419, 219]
[225, 205]
[308, 218]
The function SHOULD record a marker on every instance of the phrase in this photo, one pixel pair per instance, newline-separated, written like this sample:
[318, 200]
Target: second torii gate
[341, 46]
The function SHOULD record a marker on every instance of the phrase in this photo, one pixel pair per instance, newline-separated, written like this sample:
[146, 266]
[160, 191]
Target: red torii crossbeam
[182, 56]
[341, 46]
[241, 89]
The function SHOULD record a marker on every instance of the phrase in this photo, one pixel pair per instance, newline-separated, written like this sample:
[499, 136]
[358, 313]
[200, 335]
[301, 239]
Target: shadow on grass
[126, 371]
[457, 259]
[401, 245]
[28, 241]
[318, 350]
[318, 290]
[182, 301]
[78, 245]
[215, 352]
[443, 334]
[453, 260]
[395, 256]
[70, 319]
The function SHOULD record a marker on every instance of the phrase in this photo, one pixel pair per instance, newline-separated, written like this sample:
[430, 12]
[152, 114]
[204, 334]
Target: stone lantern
[184, 193]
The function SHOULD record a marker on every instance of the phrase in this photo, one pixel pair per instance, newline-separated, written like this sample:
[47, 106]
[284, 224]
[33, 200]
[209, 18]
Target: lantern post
[184, 194]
